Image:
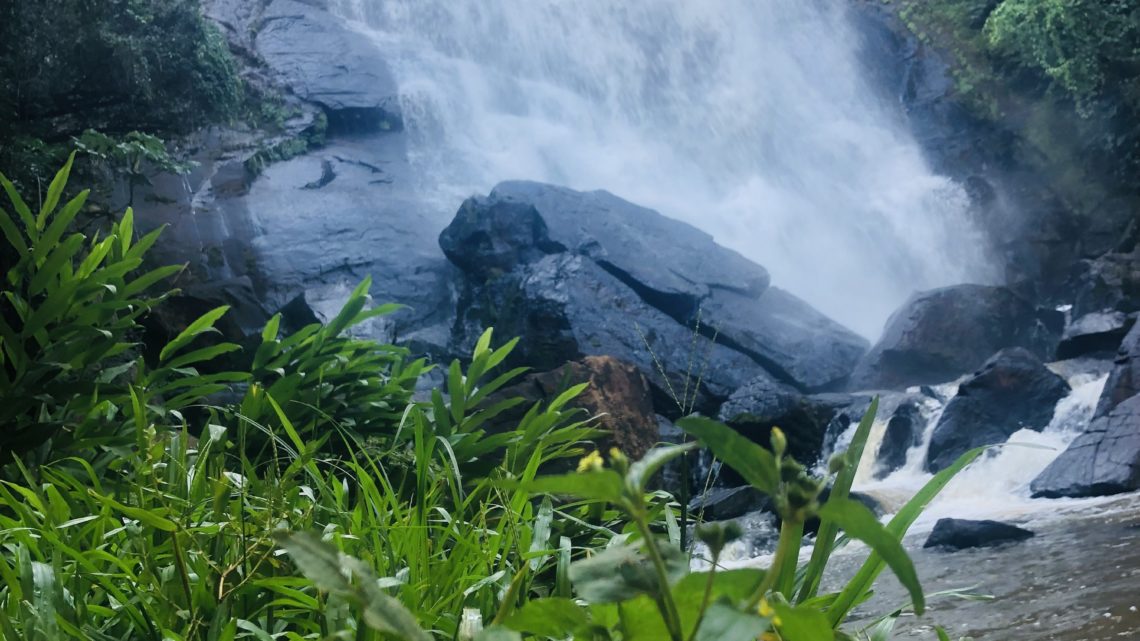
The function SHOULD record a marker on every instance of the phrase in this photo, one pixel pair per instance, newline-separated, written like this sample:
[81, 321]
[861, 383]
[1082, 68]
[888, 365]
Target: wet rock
[1104, 460]
[1012, 391]
[960, 534]
[763, 403]
[723, 503]
[1109, 282]
[644, 283]
[1095, 334]
[793, 341]
[671, 264]
[941, 334]
[175, 314]
[904, 431]
[564, 307]
[1124, 380]
[324, 62]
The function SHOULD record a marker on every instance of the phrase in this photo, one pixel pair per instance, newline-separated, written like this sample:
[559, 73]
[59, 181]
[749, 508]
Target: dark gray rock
[1108, 282]
[671, 264]
[1095, 334]
[960, 534]
[790, 338]
[722, 503]
[672, 281]
[325, 62]
[1124, 379]
[942, 334]
[762, 403]
[904, 431]
[1012, 391]
[1104, 460]
[564, 307]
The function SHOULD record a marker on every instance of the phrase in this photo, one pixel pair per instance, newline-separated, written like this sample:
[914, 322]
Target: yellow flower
[591, 462]
[768, 612]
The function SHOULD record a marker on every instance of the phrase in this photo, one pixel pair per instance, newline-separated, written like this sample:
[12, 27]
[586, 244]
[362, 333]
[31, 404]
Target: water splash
[751, 120]
[996, 485]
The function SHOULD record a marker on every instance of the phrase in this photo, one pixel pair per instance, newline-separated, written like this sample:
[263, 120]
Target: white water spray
[748, 119]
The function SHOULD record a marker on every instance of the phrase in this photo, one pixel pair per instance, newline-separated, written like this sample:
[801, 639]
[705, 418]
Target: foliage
[1080, 45]
[153, 509]
[69, 307]
[1064, 75]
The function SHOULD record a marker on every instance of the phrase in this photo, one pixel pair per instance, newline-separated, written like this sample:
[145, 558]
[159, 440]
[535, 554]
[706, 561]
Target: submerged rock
[942, 334]
[1012, 391]
[959, 534]
[1104, 460]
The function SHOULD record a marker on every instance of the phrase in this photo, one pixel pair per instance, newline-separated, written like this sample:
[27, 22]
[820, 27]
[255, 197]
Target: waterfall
[751, 120]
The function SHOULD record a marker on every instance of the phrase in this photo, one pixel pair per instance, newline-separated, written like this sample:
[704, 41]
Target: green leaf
[803, 624]
[205, 323]
[325, 566]
[622, 572]
[602, 485]
[21, 209]
[12, 234]
[841, 489]
[640, 472]
[202, 355]
[272, 328]
[860, 523]
[722, 622]
[498, 633]
[55, 190]
[754, 463]
[941, 632]
[552, 617]
[146, 517]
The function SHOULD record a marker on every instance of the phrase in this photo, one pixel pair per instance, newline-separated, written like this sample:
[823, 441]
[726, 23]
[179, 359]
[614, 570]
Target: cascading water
[748, 119]
[997, 485]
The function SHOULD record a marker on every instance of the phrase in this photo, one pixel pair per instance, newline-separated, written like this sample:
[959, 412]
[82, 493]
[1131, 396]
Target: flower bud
[779, 441]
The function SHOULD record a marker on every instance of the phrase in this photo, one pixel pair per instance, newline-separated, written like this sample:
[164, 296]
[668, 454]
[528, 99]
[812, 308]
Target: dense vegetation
[114, 66]
[1064, 74]
[177, 497]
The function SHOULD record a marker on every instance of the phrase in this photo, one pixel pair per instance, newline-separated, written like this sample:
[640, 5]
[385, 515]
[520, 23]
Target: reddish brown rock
[618, 395]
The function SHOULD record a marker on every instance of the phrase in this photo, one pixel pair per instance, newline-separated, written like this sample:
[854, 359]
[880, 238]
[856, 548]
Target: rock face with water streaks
[1106, 458]
[1012, 391]
[960, 534]
[942, 334]
[578, 273]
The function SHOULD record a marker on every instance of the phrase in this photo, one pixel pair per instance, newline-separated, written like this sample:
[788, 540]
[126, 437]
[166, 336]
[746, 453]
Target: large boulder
[1104, 460]
[942, 334]
[1011, 392]
[1124, 380]
[645, 283]
[959, 534]
[1109, 282]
